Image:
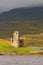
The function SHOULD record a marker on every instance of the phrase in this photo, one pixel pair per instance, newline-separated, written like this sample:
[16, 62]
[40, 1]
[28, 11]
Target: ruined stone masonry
[16, 41]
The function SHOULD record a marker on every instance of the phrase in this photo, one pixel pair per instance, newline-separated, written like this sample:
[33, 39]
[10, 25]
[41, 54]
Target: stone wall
[16, 41]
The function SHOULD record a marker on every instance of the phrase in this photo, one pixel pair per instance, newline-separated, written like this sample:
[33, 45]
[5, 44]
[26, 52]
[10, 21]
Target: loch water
[22, 60]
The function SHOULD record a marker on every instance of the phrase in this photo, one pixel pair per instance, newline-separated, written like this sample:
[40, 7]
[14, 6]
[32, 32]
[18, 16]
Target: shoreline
[14, 54]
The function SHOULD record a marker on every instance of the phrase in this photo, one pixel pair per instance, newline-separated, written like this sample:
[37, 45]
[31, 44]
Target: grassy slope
[6, 48]
[7, 28]
[34, 40]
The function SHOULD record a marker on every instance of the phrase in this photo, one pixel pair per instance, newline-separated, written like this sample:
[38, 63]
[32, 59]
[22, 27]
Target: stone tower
[15, 40]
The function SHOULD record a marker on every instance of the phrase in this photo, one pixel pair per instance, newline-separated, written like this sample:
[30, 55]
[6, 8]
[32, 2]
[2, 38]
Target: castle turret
[15, 41]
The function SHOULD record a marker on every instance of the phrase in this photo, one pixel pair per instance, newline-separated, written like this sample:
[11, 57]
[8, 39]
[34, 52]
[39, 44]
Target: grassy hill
[34, 40]
[7, 28]
[32, 29]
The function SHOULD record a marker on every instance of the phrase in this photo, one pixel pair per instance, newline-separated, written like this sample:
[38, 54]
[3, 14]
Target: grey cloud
[10, 4]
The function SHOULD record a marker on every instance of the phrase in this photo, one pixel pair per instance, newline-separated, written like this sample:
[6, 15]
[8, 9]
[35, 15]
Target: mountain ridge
[25, 13]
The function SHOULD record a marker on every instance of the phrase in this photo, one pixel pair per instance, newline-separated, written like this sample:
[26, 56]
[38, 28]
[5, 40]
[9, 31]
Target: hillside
[35, 13]
[27, 27]
[27, 21]
[33, 30]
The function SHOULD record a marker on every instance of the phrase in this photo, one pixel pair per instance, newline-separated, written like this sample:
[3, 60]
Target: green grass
[18, 51]
[24, 50]
[5, 47]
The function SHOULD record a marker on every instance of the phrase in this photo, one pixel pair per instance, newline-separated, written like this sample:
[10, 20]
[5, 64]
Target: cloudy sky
[10, 4]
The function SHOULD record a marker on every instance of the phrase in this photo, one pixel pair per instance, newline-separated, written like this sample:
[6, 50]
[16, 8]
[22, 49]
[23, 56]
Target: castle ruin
[16, 41]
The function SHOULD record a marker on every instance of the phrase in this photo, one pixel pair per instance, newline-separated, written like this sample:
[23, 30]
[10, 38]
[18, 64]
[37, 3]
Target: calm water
[21, 60]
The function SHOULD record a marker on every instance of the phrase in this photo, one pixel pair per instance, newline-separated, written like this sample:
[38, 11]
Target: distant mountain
[35, 13]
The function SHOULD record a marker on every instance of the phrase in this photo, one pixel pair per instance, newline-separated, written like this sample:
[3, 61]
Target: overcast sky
[10, 4]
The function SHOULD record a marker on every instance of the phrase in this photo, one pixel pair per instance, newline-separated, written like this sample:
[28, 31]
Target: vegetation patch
[7, 49]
